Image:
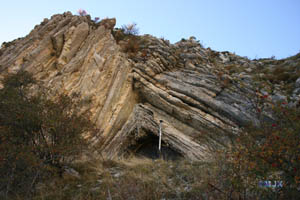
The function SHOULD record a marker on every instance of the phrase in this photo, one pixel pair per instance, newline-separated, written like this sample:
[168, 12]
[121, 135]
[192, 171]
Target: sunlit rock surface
[201, 96]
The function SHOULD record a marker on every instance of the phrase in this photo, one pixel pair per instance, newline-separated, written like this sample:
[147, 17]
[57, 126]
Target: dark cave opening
[147, 146]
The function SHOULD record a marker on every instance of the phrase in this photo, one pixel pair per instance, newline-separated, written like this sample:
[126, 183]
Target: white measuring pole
[159, 142]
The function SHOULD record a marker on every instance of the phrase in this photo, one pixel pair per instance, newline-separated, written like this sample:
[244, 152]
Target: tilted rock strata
[182, 84]
[71, 55]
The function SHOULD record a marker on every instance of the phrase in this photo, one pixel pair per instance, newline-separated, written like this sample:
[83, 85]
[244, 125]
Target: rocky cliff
[201, 96]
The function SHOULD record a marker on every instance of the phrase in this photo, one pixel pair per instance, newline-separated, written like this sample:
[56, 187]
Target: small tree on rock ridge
[130, 29]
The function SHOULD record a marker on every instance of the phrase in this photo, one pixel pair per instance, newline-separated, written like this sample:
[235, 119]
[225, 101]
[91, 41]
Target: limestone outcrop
[200, 95]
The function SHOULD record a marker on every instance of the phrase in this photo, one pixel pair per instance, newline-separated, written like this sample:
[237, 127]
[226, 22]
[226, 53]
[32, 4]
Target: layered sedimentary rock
[192, 89]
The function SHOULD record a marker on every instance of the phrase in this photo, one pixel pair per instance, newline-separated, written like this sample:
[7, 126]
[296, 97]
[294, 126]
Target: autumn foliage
[269, 151]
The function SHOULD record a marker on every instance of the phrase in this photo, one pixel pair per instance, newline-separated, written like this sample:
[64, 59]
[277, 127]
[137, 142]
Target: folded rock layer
[186, 86]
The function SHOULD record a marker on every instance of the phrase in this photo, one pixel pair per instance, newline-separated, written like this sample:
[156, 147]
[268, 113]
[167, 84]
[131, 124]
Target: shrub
[96, 19]
[82, 12]
[129, 43]
[132, 45]
[269, 151]
[37, 136]
[127, 37]
[130, 29]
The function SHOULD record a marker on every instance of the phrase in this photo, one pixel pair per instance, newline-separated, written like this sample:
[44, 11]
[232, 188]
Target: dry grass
[134, 178]
[143, 179]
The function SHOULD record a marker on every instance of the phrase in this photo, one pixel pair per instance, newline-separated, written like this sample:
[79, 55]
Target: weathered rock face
[71, 54]
[183, 84]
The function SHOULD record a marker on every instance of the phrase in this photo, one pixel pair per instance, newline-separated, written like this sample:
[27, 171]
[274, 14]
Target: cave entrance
[147, 146]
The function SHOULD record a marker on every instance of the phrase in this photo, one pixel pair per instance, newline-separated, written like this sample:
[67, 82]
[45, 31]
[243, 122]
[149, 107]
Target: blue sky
[253, 28]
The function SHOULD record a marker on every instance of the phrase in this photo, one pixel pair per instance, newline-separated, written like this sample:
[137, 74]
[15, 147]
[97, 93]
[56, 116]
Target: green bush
[37, 136]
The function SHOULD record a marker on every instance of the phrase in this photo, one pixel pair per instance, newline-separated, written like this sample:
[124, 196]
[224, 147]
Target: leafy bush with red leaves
[267, 152]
